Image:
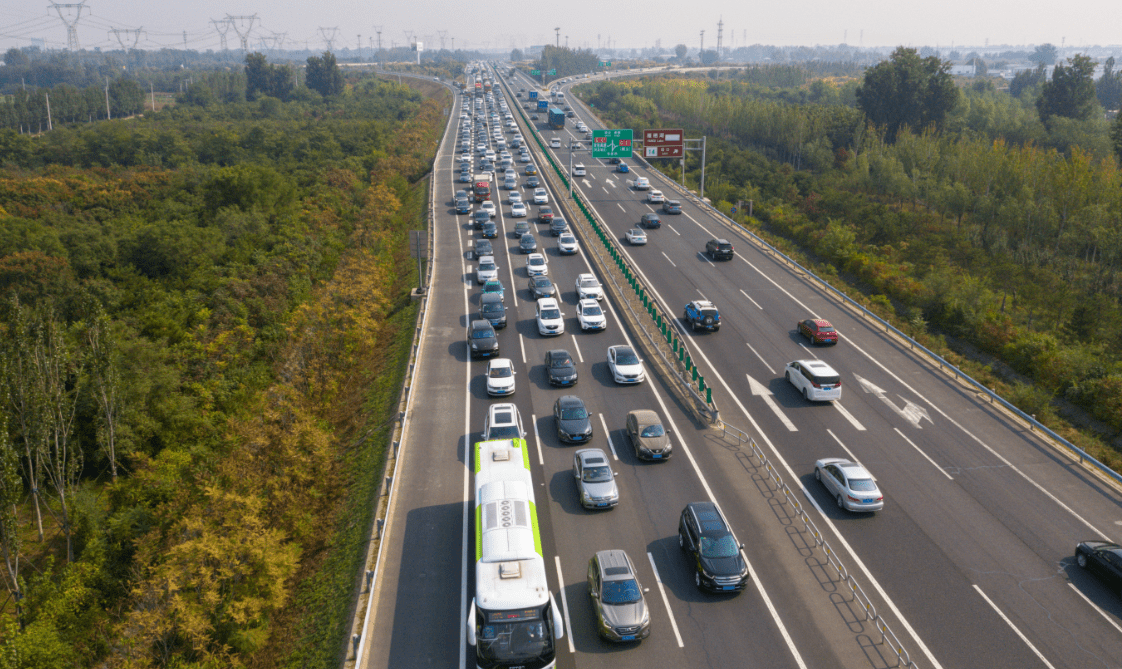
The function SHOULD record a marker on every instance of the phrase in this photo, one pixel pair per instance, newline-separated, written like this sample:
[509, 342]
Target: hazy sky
[583, 22]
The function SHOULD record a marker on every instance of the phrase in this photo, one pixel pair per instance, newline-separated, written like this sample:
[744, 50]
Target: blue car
[622, 167]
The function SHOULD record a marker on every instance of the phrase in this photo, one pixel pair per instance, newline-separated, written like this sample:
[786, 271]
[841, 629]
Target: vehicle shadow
[1091, 587]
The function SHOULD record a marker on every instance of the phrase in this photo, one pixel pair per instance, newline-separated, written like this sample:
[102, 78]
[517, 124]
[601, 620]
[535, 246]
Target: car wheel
[841, 504]
[817, 474]
[787, 375]
[1080, 559]
[697, 580]
[806, 394]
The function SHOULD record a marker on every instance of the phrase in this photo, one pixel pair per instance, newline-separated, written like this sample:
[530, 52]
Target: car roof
[547, 302]
[708, 515]
[569, 400]
[621, 348]
[820, 322]
[594, 456]
[817, 366]
[483, 259]
[588, 302]
[645, 416]
[500, 362]
[704, 304]
[614, 565]
[481, 325]
[487, 298]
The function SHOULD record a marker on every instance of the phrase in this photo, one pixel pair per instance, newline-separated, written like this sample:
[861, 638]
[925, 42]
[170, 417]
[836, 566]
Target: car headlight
[586, 497]
[474, 346]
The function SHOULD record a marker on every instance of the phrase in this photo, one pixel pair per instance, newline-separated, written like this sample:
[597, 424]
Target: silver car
[596, 482]
[617, 598]
[851, 485]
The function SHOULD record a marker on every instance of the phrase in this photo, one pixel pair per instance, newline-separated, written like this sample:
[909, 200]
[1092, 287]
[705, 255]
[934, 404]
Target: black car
[719, 249]
[560, 368]
[463, 206]
[527, 244]
[532, 182]
[484, 343]
[479, 218]
[481, 248]
[704, 533]
[671, 207]
[1104, 560]
[533, 117]
[541, 286]
[615, 161]
[492, 310]
[490, 230]
[650, 220]
[703, 315]
[569, 114]
[558, 227]
[574, 425]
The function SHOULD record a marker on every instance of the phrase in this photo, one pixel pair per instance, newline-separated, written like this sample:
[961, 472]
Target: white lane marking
[751, 300]
[608, 434]
[621, 207]
[706, 258]
[537, 439]
[609, 182]
[769, 368]
[912, 412]
[850, 453]
[605, 189]
[760, 390]
[577, 346]
[666, 601]
[668, 259]
[848, 416]
[933, 463]
[1014, 628]
[673, 230]
[701, 294]
[1093, 605]
[565, 603]
[522, 343]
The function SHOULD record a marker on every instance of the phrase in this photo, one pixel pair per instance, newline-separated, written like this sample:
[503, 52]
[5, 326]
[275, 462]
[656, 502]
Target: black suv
[484, 343]
[650, 220]
[703, 315]
[719, 249]
[560, 368]
[705, 535]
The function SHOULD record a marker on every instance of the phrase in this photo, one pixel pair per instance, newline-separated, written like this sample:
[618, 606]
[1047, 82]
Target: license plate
[729, 587]
[866, 501]
[656, 455]
[628, 637]
[827, 387]
[602, 504]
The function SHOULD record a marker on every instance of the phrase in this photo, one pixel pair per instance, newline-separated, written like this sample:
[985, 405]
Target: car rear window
[862, 485]
[825, 379]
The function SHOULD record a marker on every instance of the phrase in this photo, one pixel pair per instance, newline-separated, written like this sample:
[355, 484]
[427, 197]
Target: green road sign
[553, 73]
[605, 63]
[535, 73]
[611, 143]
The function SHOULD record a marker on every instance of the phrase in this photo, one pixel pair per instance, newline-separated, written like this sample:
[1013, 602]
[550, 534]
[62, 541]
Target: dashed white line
[844, 447]
[848, 416]
[537, 440]
[621, 207]
[565, 604]
[608, 434]
[1014, 628]
[1095, 607]
[751, 300]
[666, 601]
[522, 343]
[926, 456]
[769, 368]
[673, 230]
[668, 259]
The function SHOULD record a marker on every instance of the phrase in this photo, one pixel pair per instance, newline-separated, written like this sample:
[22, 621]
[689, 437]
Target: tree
[708, 57]
[980, 69]
[1045, 54]
[516, 55]
[907, 91]
[1108, 89]
[1026, 80]
[105, 381]
[24, 400]
[11, 491]
[256, 75]
[324, 76]
[1070, 94]
[1116, 136]
[680, 51]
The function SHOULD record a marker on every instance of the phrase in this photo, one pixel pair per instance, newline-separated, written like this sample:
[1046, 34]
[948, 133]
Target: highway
[970, 562]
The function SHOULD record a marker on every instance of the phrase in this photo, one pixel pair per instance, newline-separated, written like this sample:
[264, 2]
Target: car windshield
[486, 266]
[652, 431]
[862, 485]
[537, 261]
[541, 282]
[621, 592]
[625, 356]
[718, 547]
[561, 361]
[601, 474]
[575, 413]
[592, 310]
[551, 314]
[500, 373]
[492, 308]
[481, 334]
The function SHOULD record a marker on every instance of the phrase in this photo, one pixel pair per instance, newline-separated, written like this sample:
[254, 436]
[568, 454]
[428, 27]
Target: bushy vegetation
[204, 316]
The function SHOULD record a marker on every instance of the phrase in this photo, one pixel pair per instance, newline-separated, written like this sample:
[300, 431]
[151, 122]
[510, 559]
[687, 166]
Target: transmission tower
[329, 39]
[242, 25]
[442, 34]
[720, 36]
[135, 32]
[558, 31]
[73, 13]
[408, 37]
[223, 27]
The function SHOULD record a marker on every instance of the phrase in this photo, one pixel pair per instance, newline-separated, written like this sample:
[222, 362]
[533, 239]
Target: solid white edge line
[608, 434]
[1014, 628]
[565, 604]
[537, 439]
[1095, 606]
[666, 601]
[920, 451]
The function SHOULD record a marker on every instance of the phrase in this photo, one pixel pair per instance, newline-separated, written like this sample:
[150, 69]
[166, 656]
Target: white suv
[578, 170]
[588, 288]
[817, 381]
[655, 197]
[550, 319]
[591, 316]
[503, 422]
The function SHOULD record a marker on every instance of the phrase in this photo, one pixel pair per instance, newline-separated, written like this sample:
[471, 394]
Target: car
[817, 381]
[577, 146]
[703, 315]
[719, 249]
[510, 184]
[480, 248]
[541, 286]
[818, 331]
[545, 214]
[521, 228]
[518, 210]
[649, 439]
[650, 220]
[531, 169]
[503, 422]
[489, 230]
[655, 197]
[482, 340]
[495, 287]
[532, 182]
[850, 484]
[717, 561]
[622, 168]
[555, 143]
[596, 482]
[588, 287]
[558, 226]
[672, 207]
[488, 206]
[491, 309]
[536, 265]
[540, 196]
[615, 161]
[465, 177]
[642, 183]
[1104, 560]
[551, 321]
[463, 206]
[486, 270]
[636, 237]
[578, 169]
[527, 243]
[509, 173]
[479, 217]
[524, 158]
[574, 424]
[533, 117]
[570, 114]
[567, 244]
[625, 365]
[590, 316]
[559, 368]
[514, 197]
[461, 194]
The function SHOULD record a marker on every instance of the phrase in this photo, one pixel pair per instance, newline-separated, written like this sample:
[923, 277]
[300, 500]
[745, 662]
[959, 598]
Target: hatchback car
[650, 220]
[596, 482]
[567, 244]
[817, 381]
[503, 422]
[536, 265]
[486, 270]
[559, 368]
[704, 533]
[671, 207]
[818, 331]
[719, 249]
[551, 321]
[540, 196]
[649, 439]
[590, 316]
[850, 484]
[482, 340]
[589, 288]
[703, 315]
[541, 286]
[491, 309]
[625, 365]
[574, 425]
[1104, 560]
[655, 197]
[636, 237]
[500, 377]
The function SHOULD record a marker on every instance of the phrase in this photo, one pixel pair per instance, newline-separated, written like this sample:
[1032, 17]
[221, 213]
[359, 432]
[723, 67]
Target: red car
[818, 331]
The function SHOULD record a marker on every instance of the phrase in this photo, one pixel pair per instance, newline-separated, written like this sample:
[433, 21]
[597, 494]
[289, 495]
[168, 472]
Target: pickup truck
[641, 183]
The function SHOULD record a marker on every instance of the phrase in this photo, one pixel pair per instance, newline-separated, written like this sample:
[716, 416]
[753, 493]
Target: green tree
[1116, 136]
[11, 493]
[323, 75]
[908, 91]
[1108, 88]
[256, 75]
[516, 55]
[1070, 94]
[1045, 54]
[680, 51]
[1026, 80]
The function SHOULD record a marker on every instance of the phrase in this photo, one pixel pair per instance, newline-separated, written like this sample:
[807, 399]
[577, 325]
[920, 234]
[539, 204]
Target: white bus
[514, 621]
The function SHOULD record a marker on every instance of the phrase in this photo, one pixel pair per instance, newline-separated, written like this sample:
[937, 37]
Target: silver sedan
[851, 485]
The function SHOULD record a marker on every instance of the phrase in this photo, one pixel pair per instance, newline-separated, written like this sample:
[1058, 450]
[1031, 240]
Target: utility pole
[71, 21]
[360, 48]
[558, 31]
[702, 49]
[239, 23]
[720, 36]
[108, 114]
[50, 125]
[329, 40]
[222, 26]
[152, 92]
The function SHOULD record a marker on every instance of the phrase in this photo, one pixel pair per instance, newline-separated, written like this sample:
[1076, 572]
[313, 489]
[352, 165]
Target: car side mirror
[646, 589]
[594, 594]
[741, 546]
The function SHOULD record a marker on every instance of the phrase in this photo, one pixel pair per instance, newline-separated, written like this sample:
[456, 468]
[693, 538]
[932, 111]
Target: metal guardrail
[887, 636]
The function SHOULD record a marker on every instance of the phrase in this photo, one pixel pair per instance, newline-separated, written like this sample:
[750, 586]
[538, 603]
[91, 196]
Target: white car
[536, 265]
[588, 288]
[578, 170]
[524, 158]
[486, 270]
[503, 422]
[625, 365]
[510, 184]
[850, 484]
[817, 381]
[515, 197]
[591, 316]
[555, 143]
[540, 196]
[655, 197]
[488, 206]
[636, 237]
[518, 210]
[500, 377]
[567, 244]
[550, 319]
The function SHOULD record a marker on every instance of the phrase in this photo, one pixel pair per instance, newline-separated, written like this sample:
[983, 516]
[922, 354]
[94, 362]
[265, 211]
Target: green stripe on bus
[479, 533]
[537, 534]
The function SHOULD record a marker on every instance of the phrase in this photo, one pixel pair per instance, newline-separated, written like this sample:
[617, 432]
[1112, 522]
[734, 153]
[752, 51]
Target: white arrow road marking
[760, 390]
[610, 182]
[585, 182]
[913, 413]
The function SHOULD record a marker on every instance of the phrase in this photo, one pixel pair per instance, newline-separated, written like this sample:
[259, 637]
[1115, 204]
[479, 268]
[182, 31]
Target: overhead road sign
[612, 143]
[663, 143]
[543, 104]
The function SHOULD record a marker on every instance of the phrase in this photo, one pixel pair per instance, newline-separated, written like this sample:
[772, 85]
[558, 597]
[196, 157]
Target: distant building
[963, 70]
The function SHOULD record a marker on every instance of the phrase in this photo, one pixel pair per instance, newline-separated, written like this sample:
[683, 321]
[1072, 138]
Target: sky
[583, 23]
